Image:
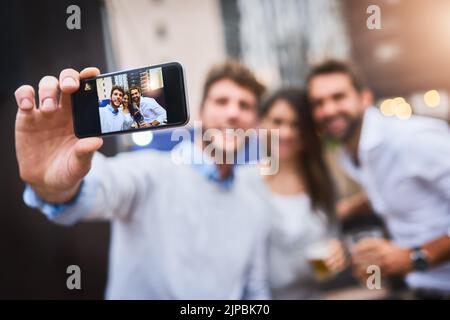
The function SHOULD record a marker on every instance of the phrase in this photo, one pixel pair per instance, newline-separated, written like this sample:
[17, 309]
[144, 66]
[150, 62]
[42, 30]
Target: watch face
[419, 260]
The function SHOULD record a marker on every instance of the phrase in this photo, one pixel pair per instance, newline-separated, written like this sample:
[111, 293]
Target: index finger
[69, 80]
[89, 72]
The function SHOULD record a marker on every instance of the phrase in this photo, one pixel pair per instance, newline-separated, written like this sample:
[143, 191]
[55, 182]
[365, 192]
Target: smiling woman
[302, 195]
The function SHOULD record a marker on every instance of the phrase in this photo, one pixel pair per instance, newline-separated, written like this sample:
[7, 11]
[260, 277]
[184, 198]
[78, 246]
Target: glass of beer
[357, 235]
[317, 253]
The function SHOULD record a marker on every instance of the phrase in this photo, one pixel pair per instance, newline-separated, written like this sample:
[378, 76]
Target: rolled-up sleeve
[161, 114]
[65, 214]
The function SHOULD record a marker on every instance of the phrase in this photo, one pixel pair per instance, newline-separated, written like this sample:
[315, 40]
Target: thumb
[84, 151]
[85, 148]
[79, 162]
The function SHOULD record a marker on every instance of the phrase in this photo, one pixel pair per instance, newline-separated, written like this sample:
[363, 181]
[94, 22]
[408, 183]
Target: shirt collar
[113, 111]
[372, 130]
[371, 137]
[202, 163]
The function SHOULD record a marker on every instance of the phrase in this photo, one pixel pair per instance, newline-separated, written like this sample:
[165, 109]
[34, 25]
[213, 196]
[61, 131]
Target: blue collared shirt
[176, 232]
[112, 120]
[202, 163]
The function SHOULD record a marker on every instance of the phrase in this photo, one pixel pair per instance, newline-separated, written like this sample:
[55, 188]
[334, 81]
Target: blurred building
[281, 39]
[408, 56]
[143, 33]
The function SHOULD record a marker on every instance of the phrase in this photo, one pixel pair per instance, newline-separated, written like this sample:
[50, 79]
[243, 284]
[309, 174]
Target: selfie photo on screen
[131, 101]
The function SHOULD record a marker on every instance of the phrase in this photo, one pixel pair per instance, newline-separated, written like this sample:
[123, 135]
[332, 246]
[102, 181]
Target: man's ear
[367, 98]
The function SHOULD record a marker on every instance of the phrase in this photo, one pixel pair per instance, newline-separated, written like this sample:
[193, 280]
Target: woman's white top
[295, 226]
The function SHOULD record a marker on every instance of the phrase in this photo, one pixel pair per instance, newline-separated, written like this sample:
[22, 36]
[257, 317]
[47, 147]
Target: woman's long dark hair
[133, 109]
[311, 162]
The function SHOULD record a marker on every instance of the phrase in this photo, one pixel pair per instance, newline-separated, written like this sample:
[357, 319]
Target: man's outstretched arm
[62, 179]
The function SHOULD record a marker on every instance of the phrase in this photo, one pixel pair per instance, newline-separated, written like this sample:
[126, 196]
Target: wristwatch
[419, 259]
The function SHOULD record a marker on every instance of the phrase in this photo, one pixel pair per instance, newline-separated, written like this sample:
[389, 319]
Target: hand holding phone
[50, 157]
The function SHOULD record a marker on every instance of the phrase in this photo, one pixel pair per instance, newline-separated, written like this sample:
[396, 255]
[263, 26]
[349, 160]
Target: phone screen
[141, 99]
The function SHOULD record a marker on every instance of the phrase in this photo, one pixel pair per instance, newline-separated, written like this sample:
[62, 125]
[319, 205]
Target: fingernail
[26, 103]
[48, 104]
[69, 82]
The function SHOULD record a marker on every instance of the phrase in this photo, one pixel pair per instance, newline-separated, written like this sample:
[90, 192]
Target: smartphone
[147, 98]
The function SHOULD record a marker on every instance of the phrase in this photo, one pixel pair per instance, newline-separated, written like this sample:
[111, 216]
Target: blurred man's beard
[352, 127]
[223, 147]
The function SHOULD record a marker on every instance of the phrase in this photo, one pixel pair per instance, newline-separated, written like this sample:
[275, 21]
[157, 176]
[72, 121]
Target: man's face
[338, 108]
[135, 96]
[228, 106]
[116, 98]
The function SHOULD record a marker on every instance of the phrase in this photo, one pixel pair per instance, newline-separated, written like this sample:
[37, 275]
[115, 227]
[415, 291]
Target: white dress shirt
[405, 170]
[151, 110]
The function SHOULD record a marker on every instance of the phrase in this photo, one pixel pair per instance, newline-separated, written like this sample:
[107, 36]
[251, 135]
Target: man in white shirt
[152, 112]
[112, 118]
[404, 167]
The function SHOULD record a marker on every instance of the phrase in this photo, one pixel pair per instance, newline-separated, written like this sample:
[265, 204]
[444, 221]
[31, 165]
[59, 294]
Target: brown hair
[235, 72]
[135, 88]
[119, 88]
[338, 66]
[311, 162]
